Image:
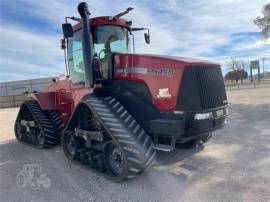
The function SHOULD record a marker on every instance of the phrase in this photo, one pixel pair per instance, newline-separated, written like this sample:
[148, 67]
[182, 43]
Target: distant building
[25, 86]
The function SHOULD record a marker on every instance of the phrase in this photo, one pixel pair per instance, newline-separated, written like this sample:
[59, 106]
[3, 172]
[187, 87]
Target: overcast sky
[209, 29]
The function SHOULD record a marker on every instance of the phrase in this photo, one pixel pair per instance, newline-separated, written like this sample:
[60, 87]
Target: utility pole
[259, 73]
[250, 67]
[263, 68]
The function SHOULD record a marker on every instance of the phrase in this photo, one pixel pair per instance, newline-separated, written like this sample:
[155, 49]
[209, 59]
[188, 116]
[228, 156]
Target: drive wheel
[115, 160]
[19, 131]
[70, 144]
[40, 137]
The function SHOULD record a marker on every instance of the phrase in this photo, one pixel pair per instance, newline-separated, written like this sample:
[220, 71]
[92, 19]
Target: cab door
[75, 58]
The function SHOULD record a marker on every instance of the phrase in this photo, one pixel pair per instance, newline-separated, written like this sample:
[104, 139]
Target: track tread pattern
[45, 125]
[57, 121]
[125, 130]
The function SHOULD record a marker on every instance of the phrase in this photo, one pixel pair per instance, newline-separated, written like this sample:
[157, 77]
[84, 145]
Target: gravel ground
[233, 166]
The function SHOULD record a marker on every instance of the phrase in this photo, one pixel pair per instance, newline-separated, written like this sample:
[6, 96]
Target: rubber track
[57, 121]
[44, 123]
[125, 130]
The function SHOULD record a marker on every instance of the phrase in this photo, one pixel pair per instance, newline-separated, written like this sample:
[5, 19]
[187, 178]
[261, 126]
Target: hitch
[164, 143]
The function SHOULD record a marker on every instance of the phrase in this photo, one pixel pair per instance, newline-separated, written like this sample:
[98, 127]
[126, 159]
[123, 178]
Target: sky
[211, 29]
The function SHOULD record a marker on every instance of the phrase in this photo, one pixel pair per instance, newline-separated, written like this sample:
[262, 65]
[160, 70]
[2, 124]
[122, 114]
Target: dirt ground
[233, 166]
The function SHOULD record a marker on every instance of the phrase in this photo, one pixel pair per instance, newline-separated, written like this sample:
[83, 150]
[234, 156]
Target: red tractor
[115, 109]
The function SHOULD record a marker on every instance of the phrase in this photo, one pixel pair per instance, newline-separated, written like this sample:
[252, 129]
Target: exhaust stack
[87, 44]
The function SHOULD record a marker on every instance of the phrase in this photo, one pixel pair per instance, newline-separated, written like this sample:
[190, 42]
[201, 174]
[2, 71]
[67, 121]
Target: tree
[229, 76]
[243, 75]
[237, 64]
[264, 22]
[236, 75]
[237, 70]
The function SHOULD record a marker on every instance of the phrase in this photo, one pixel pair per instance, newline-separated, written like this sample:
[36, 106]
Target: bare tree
[237, 64]
[244, 65]
[237, 70]
[231, 64]
[264, 22]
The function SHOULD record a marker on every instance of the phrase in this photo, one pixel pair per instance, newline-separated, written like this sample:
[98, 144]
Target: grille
[202, 88]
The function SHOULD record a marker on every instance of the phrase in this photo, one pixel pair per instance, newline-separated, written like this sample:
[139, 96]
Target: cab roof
[105, 20]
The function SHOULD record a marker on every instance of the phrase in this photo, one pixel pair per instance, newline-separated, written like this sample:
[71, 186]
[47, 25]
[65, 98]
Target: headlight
[203, 116]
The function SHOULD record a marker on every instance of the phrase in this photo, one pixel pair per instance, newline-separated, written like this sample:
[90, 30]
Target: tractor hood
[191, 61]
[161, 74]
[152, 61]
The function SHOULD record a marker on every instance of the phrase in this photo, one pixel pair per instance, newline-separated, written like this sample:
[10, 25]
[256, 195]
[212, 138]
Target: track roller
[98, 163]
[70, 145]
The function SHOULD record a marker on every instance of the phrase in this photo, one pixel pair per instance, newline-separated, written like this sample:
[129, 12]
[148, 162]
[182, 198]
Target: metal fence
[12, 101]
[248, 85]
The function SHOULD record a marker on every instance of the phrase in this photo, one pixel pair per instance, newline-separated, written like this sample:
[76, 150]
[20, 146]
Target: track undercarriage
[101, 135]
[37, 127]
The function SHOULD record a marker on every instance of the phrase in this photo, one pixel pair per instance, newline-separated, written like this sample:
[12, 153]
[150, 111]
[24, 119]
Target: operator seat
[106, 63]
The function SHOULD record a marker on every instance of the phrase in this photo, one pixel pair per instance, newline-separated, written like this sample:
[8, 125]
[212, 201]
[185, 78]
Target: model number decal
[142, 70]
[161, 72]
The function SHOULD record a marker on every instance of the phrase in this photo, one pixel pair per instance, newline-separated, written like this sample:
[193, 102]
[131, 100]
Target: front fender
[46, 100]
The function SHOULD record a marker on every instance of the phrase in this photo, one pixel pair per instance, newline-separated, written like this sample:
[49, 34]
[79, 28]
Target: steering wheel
[102, 50]
[97, 66]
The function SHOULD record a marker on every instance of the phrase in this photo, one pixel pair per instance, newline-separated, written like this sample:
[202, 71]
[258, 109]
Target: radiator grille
[201, 88]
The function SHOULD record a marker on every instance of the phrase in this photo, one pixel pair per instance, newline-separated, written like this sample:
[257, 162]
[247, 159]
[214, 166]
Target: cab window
[75, 58]
[109, 39]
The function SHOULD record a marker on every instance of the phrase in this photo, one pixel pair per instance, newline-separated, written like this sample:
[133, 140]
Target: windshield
[109, 38]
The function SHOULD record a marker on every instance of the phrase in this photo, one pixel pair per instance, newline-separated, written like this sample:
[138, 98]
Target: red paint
[46, 100]
[63, 96]
[156, 82]
[168, 59]
[105, 20]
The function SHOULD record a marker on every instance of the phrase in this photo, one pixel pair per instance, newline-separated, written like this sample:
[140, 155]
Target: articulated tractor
[116, 108]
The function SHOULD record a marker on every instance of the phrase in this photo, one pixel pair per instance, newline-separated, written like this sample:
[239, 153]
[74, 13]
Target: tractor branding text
[142, 70]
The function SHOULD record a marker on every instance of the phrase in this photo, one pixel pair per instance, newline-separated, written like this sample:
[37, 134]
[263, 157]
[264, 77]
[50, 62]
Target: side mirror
[67, 30]
[147, 38]
[63, 44]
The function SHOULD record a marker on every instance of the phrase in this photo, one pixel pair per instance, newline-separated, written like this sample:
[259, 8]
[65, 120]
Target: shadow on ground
[234, 166]
[70, 181]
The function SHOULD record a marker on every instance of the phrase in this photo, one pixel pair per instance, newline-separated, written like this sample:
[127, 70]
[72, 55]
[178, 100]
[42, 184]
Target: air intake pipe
[87, 44]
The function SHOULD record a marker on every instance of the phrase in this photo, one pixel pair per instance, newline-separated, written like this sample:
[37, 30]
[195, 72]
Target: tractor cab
[110, 35]
[107, 39]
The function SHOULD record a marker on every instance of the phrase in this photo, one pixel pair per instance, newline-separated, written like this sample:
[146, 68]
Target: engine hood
[192, 61]
[149, 60]
[161, 74]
